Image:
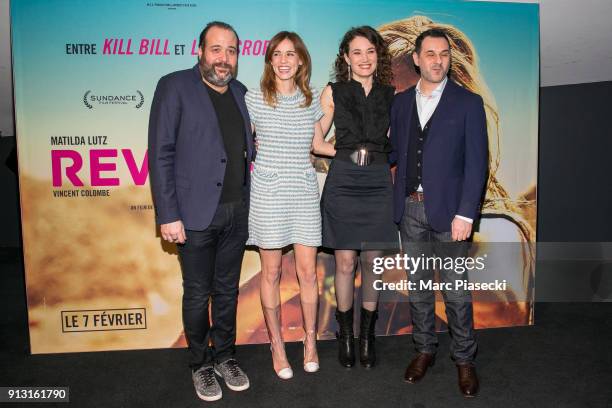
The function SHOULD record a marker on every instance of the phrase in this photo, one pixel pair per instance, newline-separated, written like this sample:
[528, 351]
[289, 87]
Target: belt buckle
[361, 157]
[417, 196]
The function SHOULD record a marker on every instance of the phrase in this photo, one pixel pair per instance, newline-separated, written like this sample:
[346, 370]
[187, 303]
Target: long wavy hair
[384, 74]
[302, 76]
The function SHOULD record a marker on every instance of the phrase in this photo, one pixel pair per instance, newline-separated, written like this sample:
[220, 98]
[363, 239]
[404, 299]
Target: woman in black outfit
[357, 201]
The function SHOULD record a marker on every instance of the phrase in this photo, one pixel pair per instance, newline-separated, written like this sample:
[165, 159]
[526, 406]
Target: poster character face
[404, 74]
[285, 61]
[362, 57]
[219, 56]
[433, 59]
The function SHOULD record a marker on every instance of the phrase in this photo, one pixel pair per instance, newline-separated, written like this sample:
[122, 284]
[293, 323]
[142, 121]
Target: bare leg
[270, 302]
[305, 264]
[344, 282]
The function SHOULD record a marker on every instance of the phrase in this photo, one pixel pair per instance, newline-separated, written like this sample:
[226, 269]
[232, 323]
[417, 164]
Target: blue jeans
[419, 239]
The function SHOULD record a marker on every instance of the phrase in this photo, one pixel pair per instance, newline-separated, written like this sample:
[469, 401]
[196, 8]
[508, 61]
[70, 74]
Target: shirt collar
[436, 92]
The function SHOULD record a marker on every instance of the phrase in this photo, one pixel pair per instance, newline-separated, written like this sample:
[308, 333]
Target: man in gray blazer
[200, 149]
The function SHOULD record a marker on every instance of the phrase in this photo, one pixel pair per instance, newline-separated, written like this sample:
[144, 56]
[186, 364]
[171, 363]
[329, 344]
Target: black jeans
[419, 239]
[210, 262]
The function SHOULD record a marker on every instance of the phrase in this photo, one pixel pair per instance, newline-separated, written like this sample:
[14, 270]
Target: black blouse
[361, 120]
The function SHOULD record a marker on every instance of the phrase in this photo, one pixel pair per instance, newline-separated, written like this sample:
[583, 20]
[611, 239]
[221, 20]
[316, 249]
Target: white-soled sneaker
[206, 385]
[235, 378]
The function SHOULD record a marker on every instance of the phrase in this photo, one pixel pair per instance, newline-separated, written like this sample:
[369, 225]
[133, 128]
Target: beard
[210, 75]
[433, 77]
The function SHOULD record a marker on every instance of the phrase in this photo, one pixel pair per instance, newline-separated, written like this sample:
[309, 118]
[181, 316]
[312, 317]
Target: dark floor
[565, 360]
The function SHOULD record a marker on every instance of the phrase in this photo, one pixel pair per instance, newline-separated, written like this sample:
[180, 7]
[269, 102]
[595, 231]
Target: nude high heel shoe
[311, 358]
[277, 346]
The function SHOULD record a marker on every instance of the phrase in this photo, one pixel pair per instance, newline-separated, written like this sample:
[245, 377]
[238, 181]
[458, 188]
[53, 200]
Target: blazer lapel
[239, 98]
[205, 102]
[407, 114]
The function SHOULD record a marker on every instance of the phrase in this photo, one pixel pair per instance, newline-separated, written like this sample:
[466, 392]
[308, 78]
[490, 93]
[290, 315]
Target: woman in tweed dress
[284, 208]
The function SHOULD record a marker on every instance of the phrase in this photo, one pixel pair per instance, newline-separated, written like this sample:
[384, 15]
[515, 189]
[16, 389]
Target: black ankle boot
[346, 338]
[367, 351]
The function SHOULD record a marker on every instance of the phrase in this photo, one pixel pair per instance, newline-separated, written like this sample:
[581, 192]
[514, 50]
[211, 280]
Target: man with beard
[200, 149]
[439, 137]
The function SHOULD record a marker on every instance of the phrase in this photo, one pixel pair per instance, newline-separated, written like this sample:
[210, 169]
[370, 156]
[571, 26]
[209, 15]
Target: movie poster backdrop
[98, 275]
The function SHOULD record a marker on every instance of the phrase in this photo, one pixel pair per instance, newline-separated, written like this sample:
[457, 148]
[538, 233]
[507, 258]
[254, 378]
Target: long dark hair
[384, 74]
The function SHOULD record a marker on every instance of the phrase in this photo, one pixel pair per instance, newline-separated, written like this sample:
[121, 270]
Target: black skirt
[357, 207]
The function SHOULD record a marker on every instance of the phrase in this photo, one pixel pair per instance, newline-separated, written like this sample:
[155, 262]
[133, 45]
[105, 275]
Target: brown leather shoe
[418, 367]
[468, 380]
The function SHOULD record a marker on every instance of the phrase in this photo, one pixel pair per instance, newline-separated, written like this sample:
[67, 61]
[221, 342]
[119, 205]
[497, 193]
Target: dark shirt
[360, 120]
[231, 125]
